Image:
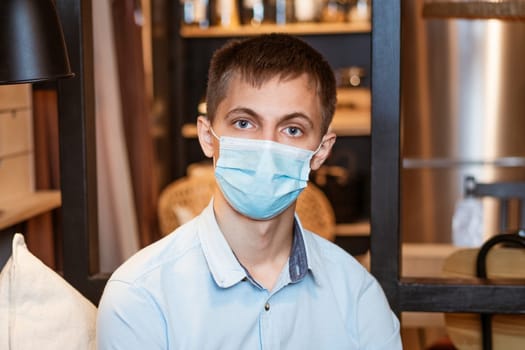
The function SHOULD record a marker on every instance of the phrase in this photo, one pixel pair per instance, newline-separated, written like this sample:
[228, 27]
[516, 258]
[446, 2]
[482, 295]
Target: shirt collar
[298, 261]
[224, 266]
[305, 254]
[226, 269]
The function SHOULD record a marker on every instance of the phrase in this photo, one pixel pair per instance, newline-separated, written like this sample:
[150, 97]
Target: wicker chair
[187, 197]
[316, 212]
[182, 200]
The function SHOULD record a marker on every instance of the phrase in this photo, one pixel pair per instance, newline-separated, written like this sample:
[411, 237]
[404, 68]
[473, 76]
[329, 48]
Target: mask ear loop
[214, 134]
[319, 147]
[218, 139]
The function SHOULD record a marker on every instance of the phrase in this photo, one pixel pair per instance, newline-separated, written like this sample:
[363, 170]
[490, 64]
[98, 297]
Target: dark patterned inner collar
[298, 262]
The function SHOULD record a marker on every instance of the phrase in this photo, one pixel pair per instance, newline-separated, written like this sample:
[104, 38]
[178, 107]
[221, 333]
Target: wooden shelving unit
[23, 207]
[351, 123]
[18, 199]
[313, 28]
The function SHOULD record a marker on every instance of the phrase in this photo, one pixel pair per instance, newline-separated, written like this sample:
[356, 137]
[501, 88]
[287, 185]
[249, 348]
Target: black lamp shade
[32, 46]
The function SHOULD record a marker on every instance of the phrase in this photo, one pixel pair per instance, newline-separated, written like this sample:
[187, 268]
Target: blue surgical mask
[261, 178]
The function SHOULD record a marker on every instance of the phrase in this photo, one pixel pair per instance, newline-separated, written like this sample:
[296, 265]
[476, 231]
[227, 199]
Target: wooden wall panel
[16, 157]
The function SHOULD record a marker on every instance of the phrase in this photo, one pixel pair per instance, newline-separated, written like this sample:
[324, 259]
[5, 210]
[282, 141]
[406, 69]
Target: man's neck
[262, 247]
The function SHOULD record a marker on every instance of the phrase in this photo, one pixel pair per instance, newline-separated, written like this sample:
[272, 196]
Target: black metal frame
[414, 294]
[505, 192]
[78, 184]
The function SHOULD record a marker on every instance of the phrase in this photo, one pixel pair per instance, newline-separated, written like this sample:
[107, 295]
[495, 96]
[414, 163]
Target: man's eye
[243, 124]
[293, 131]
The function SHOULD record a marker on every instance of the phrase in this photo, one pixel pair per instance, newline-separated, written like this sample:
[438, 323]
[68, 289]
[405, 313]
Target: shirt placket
[269, 339]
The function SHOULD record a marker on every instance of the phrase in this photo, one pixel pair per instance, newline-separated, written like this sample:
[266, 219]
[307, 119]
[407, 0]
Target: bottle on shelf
[257, 12]
[335, 10]
[349, 77]
[360, 11]
[252, 12]
[195, 13]
[283, 11]
[307, 10]
[225, 13]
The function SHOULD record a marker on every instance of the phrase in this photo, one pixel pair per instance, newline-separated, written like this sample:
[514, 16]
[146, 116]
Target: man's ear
[205, 136]
[324, 151]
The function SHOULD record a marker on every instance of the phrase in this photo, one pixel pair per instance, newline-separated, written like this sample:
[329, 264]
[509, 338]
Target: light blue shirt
[188, 291]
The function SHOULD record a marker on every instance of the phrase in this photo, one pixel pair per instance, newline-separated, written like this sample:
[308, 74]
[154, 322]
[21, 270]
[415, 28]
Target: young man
[244, 274]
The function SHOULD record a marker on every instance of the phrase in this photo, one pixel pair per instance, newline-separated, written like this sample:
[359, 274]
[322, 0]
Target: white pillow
[39, 309]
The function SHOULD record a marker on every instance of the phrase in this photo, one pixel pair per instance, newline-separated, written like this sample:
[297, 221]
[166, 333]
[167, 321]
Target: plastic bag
[467, 223]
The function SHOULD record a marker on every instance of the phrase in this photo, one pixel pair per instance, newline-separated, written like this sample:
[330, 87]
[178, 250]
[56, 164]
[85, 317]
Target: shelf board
[425, 259]
[360, 228]
[189, 131]
[351, 122]
[292, 28]
[17, 209]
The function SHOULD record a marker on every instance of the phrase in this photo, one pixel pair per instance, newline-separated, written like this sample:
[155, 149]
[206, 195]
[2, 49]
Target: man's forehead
[258, 79]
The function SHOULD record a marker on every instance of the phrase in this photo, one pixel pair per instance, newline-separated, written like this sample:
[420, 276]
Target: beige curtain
[118, 228]
[128, 20]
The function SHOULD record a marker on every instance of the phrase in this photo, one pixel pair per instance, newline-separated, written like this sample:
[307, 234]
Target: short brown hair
[260, 59]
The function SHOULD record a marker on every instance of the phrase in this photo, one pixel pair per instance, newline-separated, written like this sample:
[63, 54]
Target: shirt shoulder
[335, 259]
[168, 250]
[357, 292]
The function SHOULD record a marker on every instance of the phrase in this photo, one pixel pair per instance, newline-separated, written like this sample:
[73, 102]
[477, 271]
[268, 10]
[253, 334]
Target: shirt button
[267, 306]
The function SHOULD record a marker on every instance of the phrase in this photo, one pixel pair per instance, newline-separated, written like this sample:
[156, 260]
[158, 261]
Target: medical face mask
[261, 178]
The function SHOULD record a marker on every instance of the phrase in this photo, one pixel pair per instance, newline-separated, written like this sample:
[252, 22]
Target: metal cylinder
[463, 108]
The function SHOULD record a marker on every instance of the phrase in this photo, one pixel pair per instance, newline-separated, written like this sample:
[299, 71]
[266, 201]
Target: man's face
[287, 112]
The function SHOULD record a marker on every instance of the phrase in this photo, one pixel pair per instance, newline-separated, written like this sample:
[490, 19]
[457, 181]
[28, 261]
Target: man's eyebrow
[299, 115]
[241, 110]
[247, 111]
